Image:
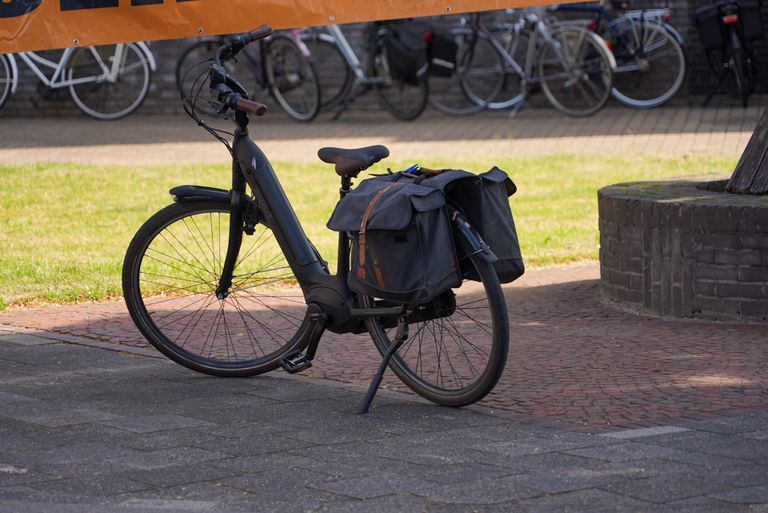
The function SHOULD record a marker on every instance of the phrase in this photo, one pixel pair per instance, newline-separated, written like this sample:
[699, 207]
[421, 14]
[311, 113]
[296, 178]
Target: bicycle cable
[189, 103]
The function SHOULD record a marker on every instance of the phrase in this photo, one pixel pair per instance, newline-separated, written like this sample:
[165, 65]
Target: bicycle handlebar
[229, 91]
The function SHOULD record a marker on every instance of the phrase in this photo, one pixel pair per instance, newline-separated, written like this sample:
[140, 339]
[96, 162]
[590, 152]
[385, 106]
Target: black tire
[335, 75]
[6, 79]
[104, 99]
[404, 101]
[650, 63]
[170, 275]
[292, 78]
[482, 366]
[476, 81]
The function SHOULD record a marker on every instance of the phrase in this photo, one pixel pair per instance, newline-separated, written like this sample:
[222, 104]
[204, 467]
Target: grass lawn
[64, 228]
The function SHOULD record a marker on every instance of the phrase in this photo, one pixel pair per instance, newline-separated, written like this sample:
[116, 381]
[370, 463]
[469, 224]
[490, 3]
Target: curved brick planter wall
[685, 249]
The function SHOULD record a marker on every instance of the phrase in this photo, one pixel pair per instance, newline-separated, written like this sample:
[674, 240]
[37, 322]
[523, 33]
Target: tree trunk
[751, 174]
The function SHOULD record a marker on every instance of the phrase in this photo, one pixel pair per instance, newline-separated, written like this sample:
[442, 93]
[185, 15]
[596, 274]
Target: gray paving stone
[554, 442]
[179, 475]
[96, 485]
[169, 457]
[154, 423]
[387, 504]
[54, 417]
[561, 480]
[168, 504]
[278, 484]
[745, 449]
[582, 501]
[703, 505]
[484, 491]
[629, 434]
[23, 340]
[728, 425]
[756, 435]
[372, 486]
[661, 489]
[625, 452]
[748, 495]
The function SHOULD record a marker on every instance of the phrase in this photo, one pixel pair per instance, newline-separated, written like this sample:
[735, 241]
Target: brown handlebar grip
[260, 32]
[250, 106]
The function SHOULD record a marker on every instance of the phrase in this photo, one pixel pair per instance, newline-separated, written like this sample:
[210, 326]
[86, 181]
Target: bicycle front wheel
[575, 71]
[650, 63]
[457, 359]
[335, 75]
[170, 275]
[292, 78]
[109, 82]
[6, 80]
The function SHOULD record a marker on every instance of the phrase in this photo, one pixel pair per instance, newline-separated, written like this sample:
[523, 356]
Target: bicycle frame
[56, 79]
[334, 34]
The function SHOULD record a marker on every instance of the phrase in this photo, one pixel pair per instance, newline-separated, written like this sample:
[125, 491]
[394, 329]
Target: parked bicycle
[105, 82]
[650, 60]
[572, 65]
[227, 283]
[344, 76]
[280, 66]
[726, 30]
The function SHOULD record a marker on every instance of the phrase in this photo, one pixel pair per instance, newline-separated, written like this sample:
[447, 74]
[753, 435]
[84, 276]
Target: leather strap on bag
[363, 224]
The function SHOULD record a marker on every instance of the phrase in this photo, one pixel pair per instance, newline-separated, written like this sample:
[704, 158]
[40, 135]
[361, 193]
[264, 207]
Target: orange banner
[47, 24]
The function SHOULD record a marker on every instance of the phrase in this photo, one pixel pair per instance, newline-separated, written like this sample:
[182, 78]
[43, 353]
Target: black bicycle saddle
[350, 162]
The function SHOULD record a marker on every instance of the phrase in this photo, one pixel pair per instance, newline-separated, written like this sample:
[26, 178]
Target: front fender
[199, 192]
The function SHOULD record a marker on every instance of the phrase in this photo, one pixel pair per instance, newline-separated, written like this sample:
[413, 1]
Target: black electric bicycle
[227, 283]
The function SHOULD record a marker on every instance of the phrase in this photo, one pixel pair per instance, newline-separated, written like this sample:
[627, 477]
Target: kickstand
[357, 90]
[400, 337]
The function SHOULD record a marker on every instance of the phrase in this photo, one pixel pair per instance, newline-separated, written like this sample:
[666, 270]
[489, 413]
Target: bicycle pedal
[295, 363]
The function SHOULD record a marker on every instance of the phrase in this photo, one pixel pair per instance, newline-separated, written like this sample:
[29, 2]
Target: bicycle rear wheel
[333, 71]
[6, 79]
[575, 71]
[100, 95]
[650, 63]
[403, 100]
[477, 78]
[170, 275]
[457, 359]
[292, 78]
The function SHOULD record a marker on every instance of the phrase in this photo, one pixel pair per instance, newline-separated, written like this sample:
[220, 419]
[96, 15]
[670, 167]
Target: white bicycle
[105, 82]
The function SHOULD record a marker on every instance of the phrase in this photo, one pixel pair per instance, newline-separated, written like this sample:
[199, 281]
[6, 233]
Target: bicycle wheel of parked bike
[170, 276]
[515, 42]
[477, 78]
[335, 75]
[650, 63]
[6, 80]
[403, 100]
[575, 71]
[110, 82]
[456, 359]
[192, 71]
[292, 78]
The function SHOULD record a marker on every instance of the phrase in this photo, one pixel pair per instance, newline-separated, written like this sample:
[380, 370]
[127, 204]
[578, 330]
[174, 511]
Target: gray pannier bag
[402, 243]
[484, 200]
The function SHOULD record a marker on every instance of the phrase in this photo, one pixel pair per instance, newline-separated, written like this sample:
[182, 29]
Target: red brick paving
[572, 358]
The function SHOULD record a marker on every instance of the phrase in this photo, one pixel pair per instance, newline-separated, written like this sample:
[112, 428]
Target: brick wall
[678, 250]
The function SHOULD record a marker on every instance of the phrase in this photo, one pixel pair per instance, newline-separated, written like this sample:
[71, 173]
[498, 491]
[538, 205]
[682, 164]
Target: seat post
[346, 185]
